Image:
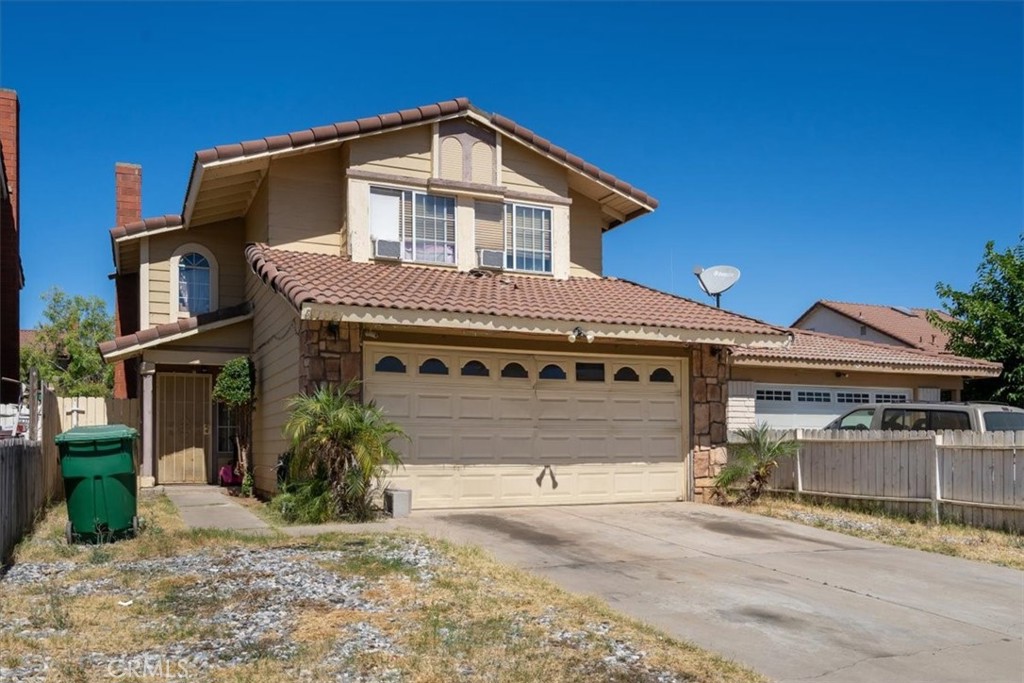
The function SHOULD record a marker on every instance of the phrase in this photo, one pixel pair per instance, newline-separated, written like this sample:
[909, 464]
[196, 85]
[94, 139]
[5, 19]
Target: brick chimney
[127, 209]
[128, 191]
[11, 276]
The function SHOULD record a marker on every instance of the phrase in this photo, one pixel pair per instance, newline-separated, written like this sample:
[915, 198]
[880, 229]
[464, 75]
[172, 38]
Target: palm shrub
[754, 459]
[345, 443]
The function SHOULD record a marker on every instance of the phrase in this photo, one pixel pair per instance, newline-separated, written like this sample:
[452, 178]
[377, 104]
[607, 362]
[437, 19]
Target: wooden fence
[30, 477]
[975, 478]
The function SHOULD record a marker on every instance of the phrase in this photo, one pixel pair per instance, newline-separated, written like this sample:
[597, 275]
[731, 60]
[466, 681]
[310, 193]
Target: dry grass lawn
[97, 611]
[984, 545]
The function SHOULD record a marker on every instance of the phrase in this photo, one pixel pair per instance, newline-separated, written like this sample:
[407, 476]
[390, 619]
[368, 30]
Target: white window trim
[174, 275]
[415, 191]
[507, 232]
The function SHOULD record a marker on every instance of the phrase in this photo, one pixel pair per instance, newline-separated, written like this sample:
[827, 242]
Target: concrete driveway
[793, 602]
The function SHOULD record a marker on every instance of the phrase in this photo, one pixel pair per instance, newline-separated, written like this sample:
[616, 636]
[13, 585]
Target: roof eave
[975, 372]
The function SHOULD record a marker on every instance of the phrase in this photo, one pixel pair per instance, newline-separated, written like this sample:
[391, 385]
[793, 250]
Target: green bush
[305, 502]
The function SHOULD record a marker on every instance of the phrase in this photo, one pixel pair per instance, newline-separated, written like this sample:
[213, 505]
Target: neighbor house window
[194, 269]
[527, 238]
[422, 225]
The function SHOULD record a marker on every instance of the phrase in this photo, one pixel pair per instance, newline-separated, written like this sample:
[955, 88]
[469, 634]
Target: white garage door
[495, 429]
[812, 407]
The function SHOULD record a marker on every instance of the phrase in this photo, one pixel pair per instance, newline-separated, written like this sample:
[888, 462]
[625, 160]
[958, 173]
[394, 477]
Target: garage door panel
[394, 404]
[475, 407]
[493, 441]
[434, 405]
[627, 409]
[515, 408]
[663, 410]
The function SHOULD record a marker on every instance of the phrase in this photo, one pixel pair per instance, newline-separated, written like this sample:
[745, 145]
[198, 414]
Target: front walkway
[210, 507]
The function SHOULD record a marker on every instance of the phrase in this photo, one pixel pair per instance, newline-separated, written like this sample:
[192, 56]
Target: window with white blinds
[527, 238]
[423, 224]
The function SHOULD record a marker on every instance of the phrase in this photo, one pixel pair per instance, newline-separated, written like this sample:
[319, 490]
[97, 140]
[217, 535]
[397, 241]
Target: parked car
[974, 417]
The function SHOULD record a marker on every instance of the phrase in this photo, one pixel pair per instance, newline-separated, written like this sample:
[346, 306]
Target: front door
[183, 428]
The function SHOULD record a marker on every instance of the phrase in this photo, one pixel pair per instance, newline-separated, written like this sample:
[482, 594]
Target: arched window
[433, 366]
[389, 364]
[515, 371]
[662, 375]
[475, 368]
[552, 372]
[626, 374]
[194, 281]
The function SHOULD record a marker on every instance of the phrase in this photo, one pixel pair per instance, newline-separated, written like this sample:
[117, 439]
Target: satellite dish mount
[716, 279]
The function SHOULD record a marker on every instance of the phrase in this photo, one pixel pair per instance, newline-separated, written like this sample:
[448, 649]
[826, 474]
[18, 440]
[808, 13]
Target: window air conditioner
[389, 249]
[491, 258]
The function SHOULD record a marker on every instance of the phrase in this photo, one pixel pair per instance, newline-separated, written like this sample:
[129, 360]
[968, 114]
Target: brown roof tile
[145, 225]
[332, 280]
[830, 350]
[913, 330]
[166, 330]
[26, 337]
[416, 115]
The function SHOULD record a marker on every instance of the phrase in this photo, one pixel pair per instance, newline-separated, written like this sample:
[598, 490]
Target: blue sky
[858, 152]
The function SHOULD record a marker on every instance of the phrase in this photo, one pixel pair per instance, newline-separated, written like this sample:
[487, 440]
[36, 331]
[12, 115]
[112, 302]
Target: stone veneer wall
[331, 353]
[709, 391]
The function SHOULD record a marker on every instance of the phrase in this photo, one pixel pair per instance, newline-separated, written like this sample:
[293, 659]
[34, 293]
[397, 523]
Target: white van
[974, 417]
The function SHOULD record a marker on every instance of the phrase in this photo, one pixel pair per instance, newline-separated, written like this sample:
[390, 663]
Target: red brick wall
[10, 254]
[127, 209]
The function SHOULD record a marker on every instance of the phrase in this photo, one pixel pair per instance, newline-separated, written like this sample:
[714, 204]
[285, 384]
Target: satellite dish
[716, 279]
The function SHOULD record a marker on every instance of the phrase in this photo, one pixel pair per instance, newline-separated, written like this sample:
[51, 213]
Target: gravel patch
[837, 521]
[248, 597]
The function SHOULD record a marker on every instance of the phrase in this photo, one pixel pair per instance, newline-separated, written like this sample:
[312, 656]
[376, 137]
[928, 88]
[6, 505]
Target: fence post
[799, 474]
[937, 488]
[75, 410]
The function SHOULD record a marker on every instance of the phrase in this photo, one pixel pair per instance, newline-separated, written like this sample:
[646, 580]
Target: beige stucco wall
[403, 152]
[585, 229]
[524, 170]
[830, 322]
[853, 379]
[275, 352]
[306, 202]
[226, 242]
[257, 220]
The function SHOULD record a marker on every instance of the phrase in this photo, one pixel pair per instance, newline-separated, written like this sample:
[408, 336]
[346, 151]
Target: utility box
[398, 502]
[98, 467]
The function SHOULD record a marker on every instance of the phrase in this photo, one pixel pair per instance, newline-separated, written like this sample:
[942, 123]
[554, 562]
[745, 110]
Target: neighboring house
[896, 325]
[452, 261]
[12, 277]
[821, 376]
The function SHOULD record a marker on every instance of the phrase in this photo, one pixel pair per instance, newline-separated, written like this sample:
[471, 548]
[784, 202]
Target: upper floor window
[196, 272]
[527, 238]
[421, 226]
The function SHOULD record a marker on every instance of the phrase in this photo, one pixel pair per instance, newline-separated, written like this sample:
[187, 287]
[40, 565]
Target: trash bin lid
[96, 433]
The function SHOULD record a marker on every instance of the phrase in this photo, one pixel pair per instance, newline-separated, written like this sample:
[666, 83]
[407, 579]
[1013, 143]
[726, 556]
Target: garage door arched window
[626, 374]
[475, 368]
[515, 371]
[389, 364]
[662, 375]
[552, 371]
[433, 366]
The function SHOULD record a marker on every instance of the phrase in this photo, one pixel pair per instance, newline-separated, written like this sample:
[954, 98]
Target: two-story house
[451, 260]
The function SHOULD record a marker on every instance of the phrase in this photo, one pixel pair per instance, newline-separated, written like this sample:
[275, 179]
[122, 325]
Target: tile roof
[380, 122]
[171, 329]
[913, 330]
[26, 337]
[333, 280]
[145, 225]
[829, 350]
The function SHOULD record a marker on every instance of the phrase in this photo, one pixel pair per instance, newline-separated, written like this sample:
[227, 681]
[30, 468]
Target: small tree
[344, 443]
[754, 460]
[235, 388]
[65, 349]
[988, 322]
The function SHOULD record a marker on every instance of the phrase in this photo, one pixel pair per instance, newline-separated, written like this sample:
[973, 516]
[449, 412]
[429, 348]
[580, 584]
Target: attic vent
[905, 311]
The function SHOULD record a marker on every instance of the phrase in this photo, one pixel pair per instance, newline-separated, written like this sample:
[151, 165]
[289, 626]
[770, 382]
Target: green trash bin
[98, 467]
